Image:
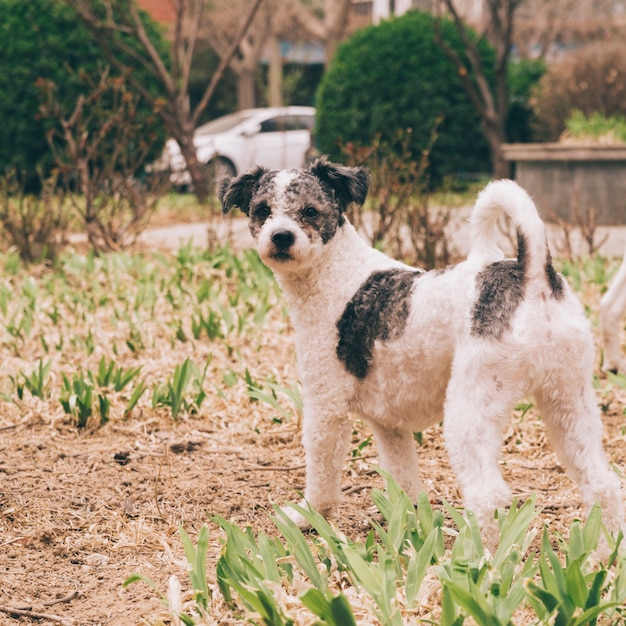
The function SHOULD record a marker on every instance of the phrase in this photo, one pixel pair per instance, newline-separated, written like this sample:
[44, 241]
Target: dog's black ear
[350, 184]
[238, 191]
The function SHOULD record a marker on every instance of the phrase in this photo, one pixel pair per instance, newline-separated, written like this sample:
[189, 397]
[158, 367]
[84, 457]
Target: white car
[277, 138]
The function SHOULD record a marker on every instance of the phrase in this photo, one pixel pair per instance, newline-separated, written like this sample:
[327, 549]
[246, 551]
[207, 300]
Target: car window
[287, 122]
[273, 125]
[298, 122]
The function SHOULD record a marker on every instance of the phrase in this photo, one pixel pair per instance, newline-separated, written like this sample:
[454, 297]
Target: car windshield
[222, 124]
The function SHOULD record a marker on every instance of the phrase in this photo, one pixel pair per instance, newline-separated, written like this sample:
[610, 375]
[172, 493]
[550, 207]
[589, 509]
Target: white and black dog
[405, 348]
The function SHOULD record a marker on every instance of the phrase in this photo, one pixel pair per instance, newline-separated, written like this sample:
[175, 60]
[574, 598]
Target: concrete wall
[568, 179]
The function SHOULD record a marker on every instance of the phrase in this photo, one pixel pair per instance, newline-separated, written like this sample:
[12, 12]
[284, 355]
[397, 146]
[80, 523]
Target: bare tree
[323, 20]
[226, 19]
[329, 28]
[121, 17]
[492, 107]
[539, 23]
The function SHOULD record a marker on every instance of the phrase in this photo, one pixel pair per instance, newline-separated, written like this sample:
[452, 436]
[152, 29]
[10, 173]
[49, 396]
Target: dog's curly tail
[506, 196]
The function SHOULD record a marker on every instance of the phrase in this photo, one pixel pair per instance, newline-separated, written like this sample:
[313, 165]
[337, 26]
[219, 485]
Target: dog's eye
[310, 212]
[262, 211]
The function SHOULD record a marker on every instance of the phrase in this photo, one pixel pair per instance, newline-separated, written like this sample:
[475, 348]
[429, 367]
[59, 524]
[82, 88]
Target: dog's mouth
[281, 255]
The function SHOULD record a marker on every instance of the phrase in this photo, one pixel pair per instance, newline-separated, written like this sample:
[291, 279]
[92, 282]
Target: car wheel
[219, 170]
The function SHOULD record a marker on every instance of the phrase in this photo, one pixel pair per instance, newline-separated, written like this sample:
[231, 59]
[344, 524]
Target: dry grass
[82, 509]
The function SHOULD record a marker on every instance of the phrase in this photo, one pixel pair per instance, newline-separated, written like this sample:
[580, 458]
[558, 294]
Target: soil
[82, 510]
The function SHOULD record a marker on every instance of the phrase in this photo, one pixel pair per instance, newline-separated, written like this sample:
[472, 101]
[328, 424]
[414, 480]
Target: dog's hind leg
[478, 404]
[574, 428]
[398, 457]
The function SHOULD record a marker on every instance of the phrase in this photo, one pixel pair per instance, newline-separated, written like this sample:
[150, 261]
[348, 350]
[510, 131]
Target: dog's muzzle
[282, 240]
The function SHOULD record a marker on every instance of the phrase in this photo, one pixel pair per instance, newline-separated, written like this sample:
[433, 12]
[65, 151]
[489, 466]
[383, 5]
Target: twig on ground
[353, 489]
[26, 611]
[68, 598]
[272, 468]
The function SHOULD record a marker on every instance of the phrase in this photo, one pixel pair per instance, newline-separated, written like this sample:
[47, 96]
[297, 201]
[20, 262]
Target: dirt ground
[80, 511]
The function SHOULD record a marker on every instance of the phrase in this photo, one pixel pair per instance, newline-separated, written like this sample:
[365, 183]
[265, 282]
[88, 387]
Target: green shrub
[392, 77]
[596, 127]
[41, 41]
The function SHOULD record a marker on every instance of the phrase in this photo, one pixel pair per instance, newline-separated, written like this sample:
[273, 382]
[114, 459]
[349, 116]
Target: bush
[392, 77]
[596, 127]
[35, 225]
[589, 80]
[42, 40]
[99, 146]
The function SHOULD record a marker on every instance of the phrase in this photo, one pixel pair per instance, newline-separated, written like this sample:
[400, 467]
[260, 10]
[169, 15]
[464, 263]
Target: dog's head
[293, 214]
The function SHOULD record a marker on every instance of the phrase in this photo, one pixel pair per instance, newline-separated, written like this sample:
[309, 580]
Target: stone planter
[567, 180]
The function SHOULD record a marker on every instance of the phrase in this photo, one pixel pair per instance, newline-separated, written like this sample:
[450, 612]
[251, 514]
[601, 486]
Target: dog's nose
[283, 238]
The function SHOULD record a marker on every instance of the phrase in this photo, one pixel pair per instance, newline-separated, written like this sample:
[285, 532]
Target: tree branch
[225, 61]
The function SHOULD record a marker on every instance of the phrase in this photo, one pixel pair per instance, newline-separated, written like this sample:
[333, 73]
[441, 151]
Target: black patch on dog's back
[500, 291]
[378, 310]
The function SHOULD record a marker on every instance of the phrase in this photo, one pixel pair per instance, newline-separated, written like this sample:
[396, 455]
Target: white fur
[438, 368]
[612, 311]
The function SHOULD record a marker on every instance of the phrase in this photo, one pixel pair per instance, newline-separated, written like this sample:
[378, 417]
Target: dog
[405, 348]
[612, 311]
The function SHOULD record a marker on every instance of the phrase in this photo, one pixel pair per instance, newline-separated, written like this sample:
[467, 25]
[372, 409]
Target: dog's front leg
[325, 437]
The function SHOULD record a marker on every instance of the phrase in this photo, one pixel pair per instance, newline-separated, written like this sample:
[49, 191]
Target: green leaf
[472, 602]
[335, 611]
[575, 584]
[548, 601]
[299, 547]
[592, 529]
[133, 578]
[576, 541]
[589, 616]
[418, 566]
[513, 529]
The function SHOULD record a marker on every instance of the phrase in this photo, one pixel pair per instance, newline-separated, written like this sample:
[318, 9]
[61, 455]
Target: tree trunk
[336, 20]
[196, 170]
[245, 89]
[275, 73]
[501, 168]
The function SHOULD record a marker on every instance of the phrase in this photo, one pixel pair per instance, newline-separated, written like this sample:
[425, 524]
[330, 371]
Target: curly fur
[405, 349]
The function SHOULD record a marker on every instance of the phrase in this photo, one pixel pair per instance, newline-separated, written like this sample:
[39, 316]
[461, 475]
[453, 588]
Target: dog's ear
[350, 184]
[238, 191]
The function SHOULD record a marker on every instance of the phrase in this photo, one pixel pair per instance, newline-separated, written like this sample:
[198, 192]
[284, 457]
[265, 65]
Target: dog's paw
[300, 521]
[297, 518]
[484, 503]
